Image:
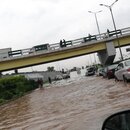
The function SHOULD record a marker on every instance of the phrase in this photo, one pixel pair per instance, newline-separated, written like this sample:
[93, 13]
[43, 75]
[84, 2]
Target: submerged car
[109, 71]
[100, 71]
[90, 71]
[58, 77]
[123, 71]
[66, 76]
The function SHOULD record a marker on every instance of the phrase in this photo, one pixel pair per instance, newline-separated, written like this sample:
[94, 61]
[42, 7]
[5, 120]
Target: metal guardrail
[75, 42]
[125, 30]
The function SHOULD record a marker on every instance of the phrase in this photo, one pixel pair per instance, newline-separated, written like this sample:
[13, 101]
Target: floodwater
[79, 103]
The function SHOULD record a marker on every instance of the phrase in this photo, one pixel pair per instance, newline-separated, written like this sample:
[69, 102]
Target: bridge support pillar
[107, 56]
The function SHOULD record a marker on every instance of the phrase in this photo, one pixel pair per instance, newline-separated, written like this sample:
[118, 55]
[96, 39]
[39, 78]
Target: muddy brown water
[81, 103]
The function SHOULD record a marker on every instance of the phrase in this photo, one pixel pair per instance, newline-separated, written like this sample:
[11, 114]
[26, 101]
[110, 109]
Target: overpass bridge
[104, 44]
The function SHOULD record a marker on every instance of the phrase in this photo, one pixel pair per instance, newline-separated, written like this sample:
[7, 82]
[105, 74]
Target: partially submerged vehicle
[58, 77]
[109, 71]
[123, 71]
[90, 71]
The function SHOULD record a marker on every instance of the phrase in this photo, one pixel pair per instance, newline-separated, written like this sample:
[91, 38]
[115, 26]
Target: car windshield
[127, 63]
[90, 69]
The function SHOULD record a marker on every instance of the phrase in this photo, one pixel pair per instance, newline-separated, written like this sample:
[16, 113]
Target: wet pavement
[79, 103]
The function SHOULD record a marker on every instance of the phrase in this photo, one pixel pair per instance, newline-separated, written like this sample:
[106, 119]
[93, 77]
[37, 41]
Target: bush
[7, 95]
[15, 86]
[2, 100]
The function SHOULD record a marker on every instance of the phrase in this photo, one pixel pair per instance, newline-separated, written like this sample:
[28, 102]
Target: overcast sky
[25, 23]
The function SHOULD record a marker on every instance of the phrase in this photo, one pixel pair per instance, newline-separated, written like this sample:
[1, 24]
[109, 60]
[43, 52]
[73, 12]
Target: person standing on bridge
[89, 36]
[108, 32]
[61, 43]
[64, 42]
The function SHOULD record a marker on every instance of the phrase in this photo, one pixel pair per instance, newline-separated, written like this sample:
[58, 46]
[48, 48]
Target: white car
[58, 77]
[123, 71]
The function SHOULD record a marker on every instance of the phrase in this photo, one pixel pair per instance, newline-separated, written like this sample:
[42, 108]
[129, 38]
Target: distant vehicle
[66, 76]
[78, 70]
[58, 77]
[100, 71]
[90, 71]
[41, 47]
[123, 71]
[109, 71]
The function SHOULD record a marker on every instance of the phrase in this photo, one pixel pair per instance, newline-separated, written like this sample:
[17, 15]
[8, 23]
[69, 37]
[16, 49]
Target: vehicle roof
[124, 61]
[112, 66]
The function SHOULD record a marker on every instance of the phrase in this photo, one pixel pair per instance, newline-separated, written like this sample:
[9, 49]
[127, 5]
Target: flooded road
[79, 103]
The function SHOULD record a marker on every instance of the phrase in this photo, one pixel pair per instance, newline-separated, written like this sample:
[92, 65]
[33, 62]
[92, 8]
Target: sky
[26, 23]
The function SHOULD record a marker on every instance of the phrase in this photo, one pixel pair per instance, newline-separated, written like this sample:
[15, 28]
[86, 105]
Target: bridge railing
[77, 41]
[54, 46]
[71, 43]
[97, 37]
[125, 30]
[25, 51]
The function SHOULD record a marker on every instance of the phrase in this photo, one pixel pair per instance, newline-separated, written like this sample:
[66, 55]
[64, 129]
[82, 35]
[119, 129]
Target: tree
[50, 69]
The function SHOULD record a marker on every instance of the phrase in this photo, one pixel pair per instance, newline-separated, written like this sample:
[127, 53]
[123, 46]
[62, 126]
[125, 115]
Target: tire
[125, 79]
[108, 77]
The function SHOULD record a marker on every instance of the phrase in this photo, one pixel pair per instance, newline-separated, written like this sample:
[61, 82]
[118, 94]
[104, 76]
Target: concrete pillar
[107, 56]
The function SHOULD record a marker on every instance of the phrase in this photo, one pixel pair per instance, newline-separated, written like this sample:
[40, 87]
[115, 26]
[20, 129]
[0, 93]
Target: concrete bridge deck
[77, 48]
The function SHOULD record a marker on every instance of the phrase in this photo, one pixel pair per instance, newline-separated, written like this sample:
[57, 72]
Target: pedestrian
[64, 43]
[108, 31]
[61, 43]
[49, 79]
[89, 36]
[40, 83]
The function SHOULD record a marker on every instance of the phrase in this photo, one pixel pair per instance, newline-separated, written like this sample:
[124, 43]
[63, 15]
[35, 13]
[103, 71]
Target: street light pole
[95, 14]
[113, 19]
[110, 8]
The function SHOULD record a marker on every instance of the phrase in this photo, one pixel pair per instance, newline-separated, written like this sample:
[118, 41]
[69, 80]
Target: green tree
[50, 68]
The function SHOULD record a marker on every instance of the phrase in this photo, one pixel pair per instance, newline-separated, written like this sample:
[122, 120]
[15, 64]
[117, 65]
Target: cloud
[25, 23]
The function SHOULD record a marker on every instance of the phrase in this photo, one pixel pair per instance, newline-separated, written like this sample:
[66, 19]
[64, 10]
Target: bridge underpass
[105, 47]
